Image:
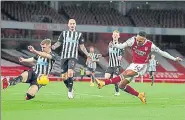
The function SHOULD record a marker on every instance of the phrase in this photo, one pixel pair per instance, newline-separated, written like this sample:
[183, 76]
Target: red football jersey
[140, 53]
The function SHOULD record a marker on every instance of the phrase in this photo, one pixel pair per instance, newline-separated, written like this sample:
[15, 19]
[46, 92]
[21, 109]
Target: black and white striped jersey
[70, 41]
[113, 54]
[90, 62]
[44, 65]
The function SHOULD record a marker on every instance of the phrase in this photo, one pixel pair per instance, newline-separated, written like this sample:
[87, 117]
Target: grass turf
[164, 102]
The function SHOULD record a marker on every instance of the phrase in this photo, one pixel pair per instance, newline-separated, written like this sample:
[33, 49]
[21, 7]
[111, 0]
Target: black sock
[92, 77]
[116, 87]
[15, 80]
[29, 97]
[66, 82]
[88, 75]
[70, 85]
[150, 73]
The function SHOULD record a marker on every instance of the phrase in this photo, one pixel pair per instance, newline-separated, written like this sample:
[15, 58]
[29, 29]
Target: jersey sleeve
[81, 39]
[121, 52]
[154, 48]
[127, 43]
[36, 57]
[53, 55]
[61, 37]
[130, 41]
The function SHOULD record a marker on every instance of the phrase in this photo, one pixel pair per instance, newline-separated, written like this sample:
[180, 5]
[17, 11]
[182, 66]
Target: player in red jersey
[141, 49]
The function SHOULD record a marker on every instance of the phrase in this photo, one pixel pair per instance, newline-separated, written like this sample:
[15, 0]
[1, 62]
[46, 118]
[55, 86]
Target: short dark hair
[142, 33]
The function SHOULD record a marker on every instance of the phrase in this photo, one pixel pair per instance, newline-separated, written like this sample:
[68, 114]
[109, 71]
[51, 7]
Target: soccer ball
[43, 80]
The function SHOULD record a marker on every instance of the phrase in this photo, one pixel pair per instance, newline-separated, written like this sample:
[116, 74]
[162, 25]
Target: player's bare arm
[82, 47]
[28, 60]
[40, 53]
[59, 42]
[56, 45]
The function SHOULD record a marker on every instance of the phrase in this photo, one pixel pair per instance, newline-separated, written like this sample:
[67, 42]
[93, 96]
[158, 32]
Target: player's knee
[121, 85]
[107, 76]
[129, 73]
[64, 76]
[70, 73]
[24, 76]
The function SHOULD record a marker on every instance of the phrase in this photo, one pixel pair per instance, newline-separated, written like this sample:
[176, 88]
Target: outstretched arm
[127, 43]
[164, 54]
[40, 53]
[28, 60]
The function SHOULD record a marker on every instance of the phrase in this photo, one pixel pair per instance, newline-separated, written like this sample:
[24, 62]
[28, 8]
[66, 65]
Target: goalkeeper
[36, 77]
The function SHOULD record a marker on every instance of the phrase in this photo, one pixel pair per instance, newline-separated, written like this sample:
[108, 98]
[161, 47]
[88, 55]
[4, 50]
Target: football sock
[66, 82]
[92, 78]
[29, 97]
[15, 81]
[130, 90]
[88, 75]
[152, 80]
[70, 85]
[116, 87]
[113, 80]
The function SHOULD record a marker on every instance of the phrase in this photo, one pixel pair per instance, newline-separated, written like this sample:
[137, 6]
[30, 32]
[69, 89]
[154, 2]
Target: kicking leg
[32, 91]
[22, 78]
[129, 75]
[108, 81]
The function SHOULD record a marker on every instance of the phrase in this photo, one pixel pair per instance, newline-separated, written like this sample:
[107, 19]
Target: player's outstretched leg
[128, 76]
[22, 78]
[125, 79]
[33, 89]
[123, 85]
[102, 83]
[5, 83]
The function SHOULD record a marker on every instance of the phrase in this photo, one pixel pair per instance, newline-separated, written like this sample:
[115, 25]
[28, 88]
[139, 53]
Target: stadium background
[27, 23]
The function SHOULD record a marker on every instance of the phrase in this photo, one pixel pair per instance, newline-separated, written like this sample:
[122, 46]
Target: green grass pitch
[164, 102]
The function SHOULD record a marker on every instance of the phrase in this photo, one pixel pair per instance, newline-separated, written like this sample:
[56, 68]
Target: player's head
[141, 37]
[72, 24]
[46, 45]
[115, 35]
[91, 49]
[152, 56]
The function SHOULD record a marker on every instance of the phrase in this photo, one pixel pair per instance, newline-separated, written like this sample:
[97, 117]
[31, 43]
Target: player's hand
[119, 58]
[53, 47]
[178, 59]
[21, 59]
[99, 55]
[111, 44]
[31, 48]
